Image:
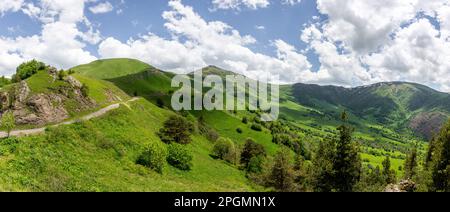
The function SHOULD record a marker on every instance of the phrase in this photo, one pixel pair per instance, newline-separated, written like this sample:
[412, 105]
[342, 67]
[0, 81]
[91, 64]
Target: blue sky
[346, 42]
[140, 17]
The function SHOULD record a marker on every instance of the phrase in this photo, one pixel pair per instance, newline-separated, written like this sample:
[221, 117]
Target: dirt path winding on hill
[101, 112]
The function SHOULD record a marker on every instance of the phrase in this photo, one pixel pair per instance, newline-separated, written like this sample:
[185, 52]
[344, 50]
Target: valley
[87, 148]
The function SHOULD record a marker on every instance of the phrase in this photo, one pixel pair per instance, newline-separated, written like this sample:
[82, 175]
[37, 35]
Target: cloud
[237, 4]
[104, 7]
[291, 2]
[196, 43]
[10, 5]
[60, 42]
[365, 41]
[260, 27]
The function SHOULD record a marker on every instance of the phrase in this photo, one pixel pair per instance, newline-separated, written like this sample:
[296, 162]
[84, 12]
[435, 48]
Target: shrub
[239, 130]
[245, 120]
[176, 129]
[154, 157]
[257, 127]
[71, 71]
[206, 131]
[179, 157]
[61, 74]
[28, 69]
[4, 81]
[225, 149]
[85, 90]
[8, 122]
[251, 150]
[160, 103]
[255, 165]
[281, 176]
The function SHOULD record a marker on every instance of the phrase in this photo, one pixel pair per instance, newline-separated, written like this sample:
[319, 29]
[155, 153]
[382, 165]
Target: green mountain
[100, 153]
[399, 105]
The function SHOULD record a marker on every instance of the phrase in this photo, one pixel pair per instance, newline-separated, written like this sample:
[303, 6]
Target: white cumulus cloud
[197, 43]
[10, 5]
[60, 42]
[104, 7]
[237, 4]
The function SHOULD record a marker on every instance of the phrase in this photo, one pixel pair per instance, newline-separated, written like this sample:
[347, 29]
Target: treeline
[335, 165]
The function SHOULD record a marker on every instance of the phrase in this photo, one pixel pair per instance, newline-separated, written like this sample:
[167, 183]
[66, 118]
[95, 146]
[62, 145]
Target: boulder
[74, 82]
[22, 92]
[403, 186]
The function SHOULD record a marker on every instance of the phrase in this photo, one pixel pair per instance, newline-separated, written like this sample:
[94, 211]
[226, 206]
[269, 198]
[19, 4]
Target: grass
[227, 125]
[99, 155]
[102, 92]
[42, 82]
[111, 68]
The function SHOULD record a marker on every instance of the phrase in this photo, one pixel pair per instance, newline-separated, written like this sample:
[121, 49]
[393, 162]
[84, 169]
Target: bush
[245, 120]
[251, 150]
[255, 165]
[225, 149]
[239, 130]
[28, 69]
[281, 176]
[257, 127]
[71, 71]
[179, 157]
[206, 131]
[154, 157]
[85, 90]
[62, 74]
[160, 103]
[176, 129]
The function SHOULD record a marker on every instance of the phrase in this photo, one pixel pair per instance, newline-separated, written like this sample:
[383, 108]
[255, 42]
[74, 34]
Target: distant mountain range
[396, 104]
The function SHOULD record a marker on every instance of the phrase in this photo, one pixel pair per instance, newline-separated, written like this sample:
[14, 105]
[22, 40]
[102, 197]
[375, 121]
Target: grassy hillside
[112, 68]
[100, 155]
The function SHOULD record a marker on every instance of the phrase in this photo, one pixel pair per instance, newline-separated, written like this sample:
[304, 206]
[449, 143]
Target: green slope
[112, 68]
[100, 155]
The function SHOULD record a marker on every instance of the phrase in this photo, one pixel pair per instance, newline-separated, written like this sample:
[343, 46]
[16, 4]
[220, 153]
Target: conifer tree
[347, 164]
[441, 161]
[323, 174]
[411, 164]
[388, 174]
[431, 148]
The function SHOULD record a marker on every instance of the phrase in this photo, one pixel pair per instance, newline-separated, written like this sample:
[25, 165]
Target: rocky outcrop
[403, 186]
[44, 108]
[74, 82]
[22, 92]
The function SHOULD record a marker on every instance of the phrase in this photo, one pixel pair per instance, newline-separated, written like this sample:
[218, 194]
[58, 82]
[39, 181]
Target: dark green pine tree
[411, 164]
[430, 152]
[388, 174]
[322, 168]
[347, 164]
[441, 161]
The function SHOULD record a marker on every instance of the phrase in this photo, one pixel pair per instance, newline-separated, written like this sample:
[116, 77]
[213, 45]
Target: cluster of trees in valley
[334, 165]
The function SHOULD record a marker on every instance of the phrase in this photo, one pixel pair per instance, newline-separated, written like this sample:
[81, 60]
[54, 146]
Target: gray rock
[74, 82]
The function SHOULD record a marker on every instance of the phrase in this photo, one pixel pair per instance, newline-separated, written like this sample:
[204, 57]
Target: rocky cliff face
[43, 108]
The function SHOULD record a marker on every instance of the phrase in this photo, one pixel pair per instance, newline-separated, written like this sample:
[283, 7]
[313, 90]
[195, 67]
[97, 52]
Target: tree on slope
[411, 164]
[347, 163]
[281, 176]
[8, 122]
[388, 174]
[441, 160]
